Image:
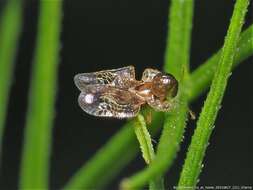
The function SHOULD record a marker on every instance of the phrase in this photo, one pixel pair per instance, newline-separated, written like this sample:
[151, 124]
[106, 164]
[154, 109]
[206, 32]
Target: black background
[109, 34]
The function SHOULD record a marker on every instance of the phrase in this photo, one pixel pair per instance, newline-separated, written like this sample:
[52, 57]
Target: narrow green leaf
[36, 151]
[104, 159]
[202, 75]
[179, 37]
[10, 29]
[147, 149]
[193, 163]
[144, 139]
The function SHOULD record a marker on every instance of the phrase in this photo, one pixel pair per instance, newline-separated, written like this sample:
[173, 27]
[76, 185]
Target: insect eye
[172, 86]
[165, 85]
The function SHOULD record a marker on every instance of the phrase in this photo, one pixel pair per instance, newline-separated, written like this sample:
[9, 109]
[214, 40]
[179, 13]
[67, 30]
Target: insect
[116, 93]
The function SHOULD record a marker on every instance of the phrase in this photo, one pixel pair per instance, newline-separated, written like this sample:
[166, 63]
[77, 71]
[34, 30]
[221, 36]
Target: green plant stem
[193, 163]
[202, 76]
[37, 142]
[178, 41]
[144, 139]
[10, 29]
[147, 149]
[104, 159]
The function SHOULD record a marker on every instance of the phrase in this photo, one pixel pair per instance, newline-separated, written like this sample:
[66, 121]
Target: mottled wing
[115, 77]
[106, 101]
[149, 74]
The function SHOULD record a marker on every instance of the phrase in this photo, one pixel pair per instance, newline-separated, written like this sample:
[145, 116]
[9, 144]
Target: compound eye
[172, 85]
[165, 86]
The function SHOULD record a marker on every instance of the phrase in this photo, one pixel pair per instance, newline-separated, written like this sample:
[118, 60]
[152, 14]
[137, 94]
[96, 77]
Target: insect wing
[115, 77]
[106, 101]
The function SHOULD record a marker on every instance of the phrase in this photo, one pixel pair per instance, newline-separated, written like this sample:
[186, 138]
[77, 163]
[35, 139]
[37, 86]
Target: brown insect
[116, 93]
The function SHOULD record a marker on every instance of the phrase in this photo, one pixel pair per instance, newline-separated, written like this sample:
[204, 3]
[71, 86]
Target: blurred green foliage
[10, 29]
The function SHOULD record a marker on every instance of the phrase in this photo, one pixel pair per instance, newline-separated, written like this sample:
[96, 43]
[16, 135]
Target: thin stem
[144, 139]
[196, 152]
[179, 38]
[10, 29]
[147, 149]
[39, 123]
[203, 74]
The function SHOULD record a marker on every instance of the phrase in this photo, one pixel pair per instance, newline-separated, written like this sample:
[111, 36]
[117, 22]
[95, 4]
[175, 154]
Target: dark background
[109, 34]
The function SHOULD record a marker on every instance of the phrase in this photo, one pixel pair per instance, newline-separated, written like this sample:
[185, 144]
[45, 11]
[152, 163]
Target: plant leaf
[10, 29]
[39, 123]
[147, 149]
[193, 163]
[202, 75]
[144, 139]
[179, 37]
